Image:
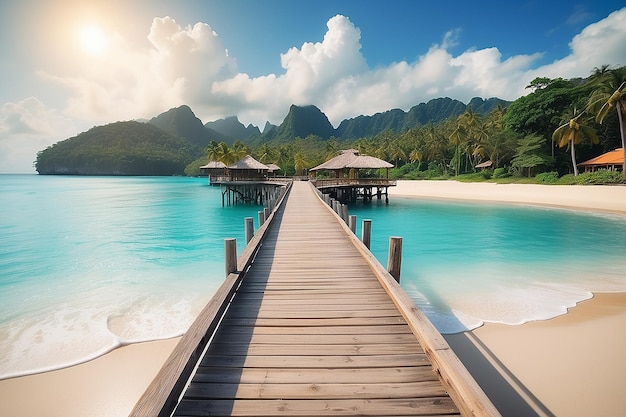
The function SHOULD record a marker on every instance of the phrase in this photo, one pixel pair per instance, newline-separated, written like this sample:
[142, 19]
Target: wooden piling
[352, 222]
[230, 255]
[344, 212]
[394, 260]
[261, 217]
[366, 233]
[249, 227]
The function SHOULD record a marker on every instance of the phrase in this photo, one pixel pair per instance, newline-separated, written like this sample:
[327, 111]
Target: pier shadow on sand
[507, 393]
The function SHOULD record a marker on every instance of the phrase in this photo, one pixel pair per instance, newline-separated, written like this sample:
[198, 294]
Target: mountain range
[302, 121]
[164, 144]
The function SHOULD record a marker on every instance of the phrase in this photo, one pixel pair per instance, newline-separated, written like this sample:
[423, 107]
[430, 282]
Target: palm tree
[265, 154]
[611, 93]
[212, 151]
[572, 133]
[240, 150]
[300, 163]
[225, 154]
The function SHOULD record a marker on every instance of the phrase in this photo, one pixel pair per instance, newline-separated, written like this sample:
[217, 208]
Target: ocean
[88, 264]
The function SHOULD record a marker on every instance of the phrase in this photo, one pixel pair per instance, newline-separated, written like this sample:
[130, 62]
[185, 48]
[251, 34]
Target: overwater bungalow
[213, 169]
[346, 181]
[246, 181]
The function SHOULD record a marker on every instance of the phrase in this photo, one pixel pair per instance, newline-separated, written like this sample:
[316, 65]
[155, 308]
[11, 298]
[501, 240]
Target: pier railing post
[352, 223]
[261, 217]
[267, 212]
[366, 233]
[344, 212]
[249, 225]
[394, 260]
[230, 255]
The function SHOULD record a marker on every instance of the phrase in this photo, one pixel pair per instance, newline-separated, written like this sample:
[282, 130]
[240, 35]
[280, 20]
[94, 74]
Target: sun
[93, 39]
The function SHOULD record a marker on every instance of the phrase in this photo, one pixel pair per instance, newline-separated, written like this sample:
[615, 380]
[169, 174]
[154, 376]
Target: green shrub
[602, 176]
[568, 179]
[501, 173]
[475, 176]
[547, 178]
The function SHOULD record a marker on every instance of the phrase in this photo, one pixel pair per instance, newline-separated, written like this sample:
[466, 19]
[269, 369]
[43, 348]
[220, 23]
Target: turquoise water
[469, 263]
[91, 263]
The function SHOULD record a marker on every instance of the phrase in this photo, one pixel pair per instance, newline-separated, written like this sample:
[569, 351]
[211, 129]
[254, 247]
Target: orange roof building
[613, 161]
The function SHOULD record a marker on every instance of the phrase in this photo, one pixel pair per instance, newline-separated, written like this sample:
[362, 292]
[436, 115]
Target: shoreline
[108, 386]
[594, 198]
[569, 365]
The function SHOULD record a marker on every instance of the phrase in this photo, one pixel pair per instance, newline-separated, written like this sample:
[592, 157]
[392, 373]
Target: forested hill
[122, 148]
[182, 122]
[171, 140]
[435, 111]
[302, 121]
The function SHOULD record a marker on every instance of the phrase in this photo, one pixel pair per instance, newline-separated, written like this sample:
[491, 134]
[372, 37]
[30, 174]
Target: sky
[69, 65]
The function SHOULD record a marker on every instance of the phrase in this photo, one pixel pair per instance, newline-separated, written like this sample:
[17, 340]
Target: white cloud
[601, 43]
[26, 128]
[190, 65]
[126, 83]
[333, 75]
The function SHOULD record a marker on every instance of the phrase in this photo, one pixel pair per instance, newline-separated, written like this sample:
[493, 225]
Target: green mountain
[233, 129]
[301, 122]
[182, 122]
[435, 111]
[122, 148]
[169, 141]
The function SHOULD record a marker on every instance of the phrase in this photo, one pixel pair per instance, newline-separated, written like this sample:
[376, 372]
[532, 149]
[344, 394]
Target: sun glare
[93, 40]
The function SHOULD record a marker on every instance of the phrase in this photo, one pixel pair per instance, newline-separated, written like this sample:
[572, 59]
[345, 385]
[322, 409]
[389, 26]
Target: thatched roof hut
[368, 162]
[214, 165]
[273, 167]
[338, 162]
[248, 163]
[350, 159]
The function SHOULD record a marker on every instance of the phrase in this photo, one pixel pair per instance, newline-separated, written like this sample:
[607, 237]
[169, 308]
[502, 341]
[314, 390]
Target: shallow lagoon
[90, 263]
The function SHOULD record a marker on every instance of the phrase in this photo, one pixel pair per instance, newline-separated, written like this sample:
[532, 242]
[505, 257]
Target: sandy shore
[572, 365]
[108, 386]
[587, 197]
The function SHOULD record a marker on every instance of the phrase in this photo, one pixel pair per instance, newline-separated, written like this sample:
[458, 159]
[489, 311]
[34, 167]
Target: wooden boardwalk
[311, 331]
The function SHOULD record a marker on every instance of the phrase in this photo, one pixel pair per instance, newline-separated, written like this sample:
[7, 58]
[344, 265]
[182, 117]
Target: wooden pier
[311, 324]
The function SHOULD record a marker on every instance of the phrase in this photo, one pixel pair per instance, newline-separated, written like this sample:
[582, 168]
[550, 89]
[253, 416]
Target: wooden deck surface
[311, 332]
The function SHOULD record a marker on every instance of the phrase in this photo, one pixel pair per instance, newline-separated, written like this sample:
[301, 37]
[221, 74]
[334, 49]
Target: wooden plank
[308, 314]
[365, 329]
[268, 349]
[288, 322]
[432, 388]
[315, 339]
[325, 407]
[319, 375]
[295, 360]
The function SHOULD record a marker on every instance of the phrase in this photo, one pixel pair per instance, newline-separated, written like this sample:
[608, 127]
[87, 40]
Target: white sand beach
[571, 365]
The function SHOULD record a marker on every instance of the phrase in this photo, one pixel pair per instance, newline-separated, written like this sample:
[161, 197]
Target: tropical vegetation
[541, 135]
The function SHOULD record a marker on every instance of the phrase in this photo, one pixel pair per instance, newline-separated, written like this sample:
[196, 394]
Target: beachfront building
[613, 161]
[348, 176]
[246, 181]
[213, 169]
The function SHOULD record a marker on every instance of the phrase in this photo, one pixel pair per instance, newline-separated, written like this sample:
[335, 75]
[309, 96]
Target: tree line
[543, 131]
